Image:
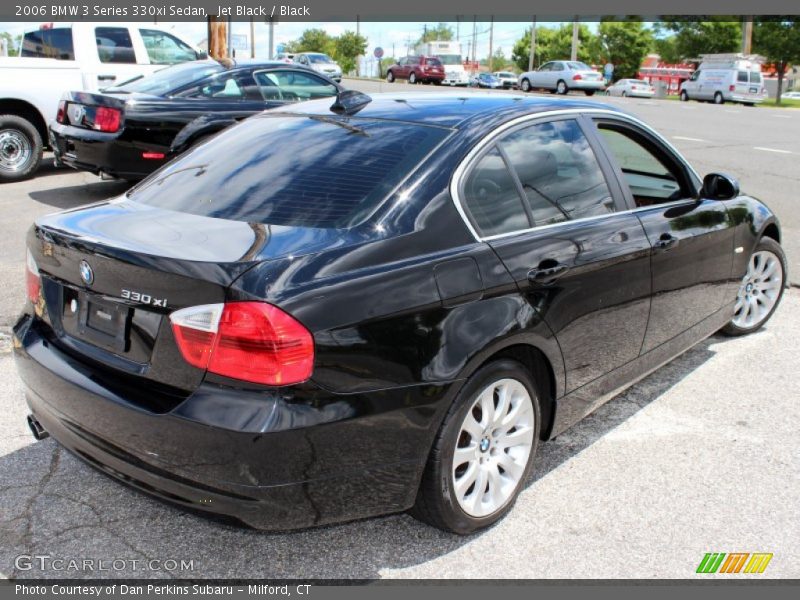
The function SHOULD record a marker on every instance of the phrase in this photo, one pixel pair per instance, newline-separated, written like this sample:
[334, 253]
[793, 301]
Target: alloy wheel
[493, 448]
[15, 150]
[759, 291]
[561, 88]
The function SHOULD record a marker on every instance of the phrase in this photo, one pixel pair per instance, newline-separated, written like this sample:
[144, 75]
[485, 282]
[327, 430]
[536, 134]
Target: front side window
[652, 176]
[49, 43]
[292, 86]
[546, 67]
[165, 49]
[114, 45]
[222, 86]
[558, 172]
[695, 76]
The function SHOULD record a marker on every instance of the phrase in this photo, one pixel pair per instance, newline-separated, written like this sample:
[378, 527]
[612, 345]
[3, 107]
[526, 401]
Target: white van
[724, 78]
[61, 57]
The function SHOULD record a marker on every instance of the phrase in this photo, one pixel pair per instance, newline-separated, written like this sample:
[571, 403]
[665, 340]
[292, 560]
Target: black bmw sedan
[339, 310]
[130, 130]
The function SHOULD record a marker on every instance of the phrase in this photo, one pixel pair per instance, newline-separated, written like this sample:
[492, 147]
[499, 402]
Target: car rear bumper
[99, 152]
[266, 458]
[583, 84]
[746, 98]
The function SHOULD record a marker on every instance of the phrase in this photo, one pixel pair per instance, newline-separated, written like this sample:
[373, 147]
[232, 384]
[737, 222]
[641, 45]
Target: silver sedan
[631, 87]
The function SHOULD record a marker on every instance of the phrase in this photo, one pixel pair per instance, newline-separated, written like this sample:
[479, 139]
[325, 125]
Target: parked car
[417, 69]
[791, 95]
[508, 79]
[561, 76]
[485, 80]
[346, 309]
[321, 63]
[286, 57]
[131, 130]
[724, 78]
[637, 88]
[81, 56]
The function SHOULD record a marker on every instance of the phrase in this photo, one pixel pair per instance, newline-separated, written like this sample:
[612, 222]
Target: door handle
[107, 77]
[666, 241]
[543, 275]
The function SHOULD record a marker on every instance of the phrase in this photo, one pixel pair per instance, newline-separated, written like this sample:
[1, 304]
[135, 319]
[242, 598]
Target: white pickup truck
[65, 57]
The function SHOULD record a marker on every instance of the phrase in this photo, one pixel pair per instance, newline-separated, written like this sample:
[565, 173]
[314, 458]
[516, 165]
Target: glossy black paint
[167, 124]
[403, 308]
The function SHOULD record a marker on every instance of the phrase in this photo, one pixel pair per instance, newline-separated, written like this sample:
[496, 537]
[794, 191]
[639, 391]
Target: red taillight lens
[33, 283]
[61, 115]
[577, 77]
[252, 341]
[107, 119]
[153, 155]
[731, 88]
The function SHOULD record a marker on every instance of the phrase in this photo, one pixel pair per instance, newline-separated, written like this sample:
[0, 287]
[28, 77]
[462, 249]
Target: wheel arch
[27, 111]
[772, 231]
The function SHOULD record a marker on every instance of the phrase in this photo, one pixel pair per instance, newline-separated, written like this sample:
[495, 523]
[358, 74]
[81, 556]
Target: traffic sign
[378, 52]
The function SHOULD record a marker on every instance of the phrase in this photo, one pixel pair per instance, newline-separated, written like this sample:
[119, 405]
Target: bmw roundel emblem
[86, 273]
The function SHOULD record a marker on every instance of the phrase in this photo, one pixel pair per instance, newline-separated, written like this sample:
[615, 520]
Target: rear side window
[755, 77]
[434, 62]
[49, 43]
[741, 77]
[165, 49]
[223, 86]
[292, 86]
[329, 172]
[114, 45]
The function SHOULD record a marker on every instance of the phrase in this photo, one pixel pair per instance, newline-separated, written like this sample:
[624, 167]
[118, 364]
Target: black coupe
[130, 130]
[338, 310]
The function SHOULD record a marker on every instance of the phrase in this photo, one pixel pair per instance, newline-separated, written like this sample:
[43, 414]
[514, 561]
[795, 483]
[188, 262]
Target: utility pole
[474, 35]
[458, 28]
[533, 45]
[271, 54]
[231, 54]
[747, 35]
[574, 53]
[491, 43]
[252, 38]
[217, 38]
[358, 24]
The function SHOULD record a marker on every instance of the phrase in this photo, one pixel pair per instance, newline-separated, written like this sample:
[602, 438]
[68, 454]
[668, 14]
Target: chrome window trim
[466, 163]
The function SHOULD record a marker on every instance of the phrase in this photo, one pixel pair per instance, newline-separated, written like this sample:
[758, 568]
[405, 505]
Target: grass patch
[785, 103]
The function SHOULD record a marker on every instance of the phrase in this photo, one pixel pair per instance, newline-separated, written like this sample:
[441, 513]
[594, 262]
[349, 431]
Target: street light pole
[533, 45]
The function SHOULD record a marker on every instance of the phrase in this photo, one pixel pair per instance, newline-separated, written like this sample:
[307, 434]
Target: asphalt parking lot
[701, 456]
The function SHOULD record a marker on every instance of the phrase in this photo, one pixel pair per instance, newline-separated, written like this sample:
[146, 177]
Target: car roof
[449, 109]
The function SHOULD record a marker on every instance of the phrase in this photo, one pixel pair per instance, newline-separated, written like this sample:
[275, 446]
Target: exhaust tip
[36, 428]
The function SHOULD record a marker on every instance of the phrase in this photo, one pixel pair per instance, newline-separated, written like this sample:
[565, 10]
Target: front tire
[20, 148]
[484, 451]
[684, 96]
[525, 85]
[561, 87]
[390, 77]
[761, 289]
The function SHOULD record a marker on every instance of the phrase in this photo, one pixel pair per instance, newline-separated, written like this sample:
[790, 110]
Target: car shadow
[77, 195]
[53, 504]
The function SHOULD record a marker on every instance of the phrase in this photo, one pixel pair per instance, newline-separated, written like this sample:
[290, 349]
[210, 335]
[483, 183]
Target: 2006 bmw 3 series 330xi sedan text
[355, 308]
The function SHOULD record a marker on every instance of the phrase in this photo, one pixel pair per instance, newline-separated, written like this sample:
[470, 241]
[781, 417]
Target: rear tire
[761, 289]
[20, 148]
[718, 99]
[412, 79]
[624, 94]
[589, 92]
[498, 456]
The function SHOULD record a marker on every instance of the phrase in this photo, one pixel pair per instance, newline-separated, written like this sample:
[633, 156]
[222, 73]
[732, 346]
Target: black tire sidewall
[26, 128]
[456, 519]
[769, 245]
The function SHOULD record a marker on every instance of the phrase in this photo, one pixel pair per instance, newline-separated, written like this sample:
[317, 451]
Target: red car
[417, 69]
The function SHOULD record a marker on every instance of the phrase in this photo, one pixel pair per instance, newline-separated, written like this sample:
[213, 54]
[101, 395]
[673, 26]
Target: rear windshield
[434, 62]
[328, 172]
[169, 79]
[579, 66]
[49, 43]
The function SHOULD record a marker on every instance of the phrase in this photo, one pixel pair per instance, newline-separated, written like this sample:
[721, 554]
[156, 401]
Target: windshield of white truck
[449, 59]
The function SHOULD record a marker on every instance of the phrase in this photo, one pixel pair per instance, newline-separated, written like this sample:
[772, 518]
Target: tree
[553, 44]
[778, 39]
[10, 42]
[347, 47]
[624, 44]
[441, 33]
[314, 40]
[693, 38]
[666, 47]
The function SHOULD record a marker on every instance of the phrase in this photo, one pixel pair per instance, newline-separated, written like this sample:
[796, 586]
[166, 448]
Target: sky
[385, 35]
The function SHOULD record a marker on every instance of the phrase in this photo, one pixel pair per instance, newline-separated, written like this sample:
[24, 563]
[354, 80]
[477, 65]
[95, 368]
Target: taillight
[107, 119]
[33, 283]
[61, 115]
[577, 77]
[251, 341]
[153, 155]
[731, 88]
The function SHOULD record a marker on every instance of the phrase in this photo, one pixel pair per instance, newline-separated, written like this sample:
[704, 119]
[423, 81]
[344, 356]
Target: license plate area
[753, 90]
[103, 323]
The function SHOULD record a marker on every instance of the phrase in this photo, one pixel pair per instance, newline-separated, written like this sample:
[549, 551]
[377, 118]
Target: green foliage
[347, 47]
[667, 48]
[314, 40]
[778, 40]
[11, 42]
[441, 33]
[693, 38]
[553, 44]
[622, 43]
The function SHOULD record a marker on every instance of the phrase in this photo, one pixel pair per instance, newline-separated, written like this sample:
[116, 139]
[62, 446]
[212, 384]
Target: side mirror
[718, 186]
